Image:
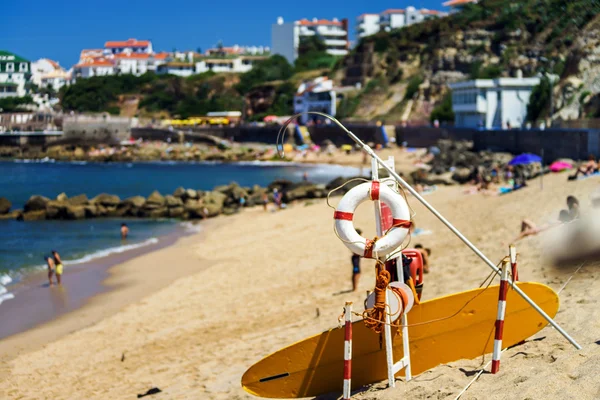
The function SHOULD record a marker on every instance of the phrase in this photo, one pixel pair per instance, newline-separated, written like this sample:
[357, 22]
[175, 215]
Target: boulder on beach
[15, 214]
[79, 200]
[337, 182]
[280, 184]
[191, 194]
[462, 175]
[179, 192]
[135, 201]
[107, 200]
[173, 201]
[176, 212]
[5, 205]
[62, 197]
[162, 212]
[55, 209]
[216, 198]
[36, 215]
[36, 203]
[156, 199]
[75, 212]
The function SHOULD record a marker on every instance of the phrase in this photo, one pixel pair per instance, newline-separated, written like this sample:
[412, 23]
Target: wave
[4, 294]
[111, 250]
[190, 227]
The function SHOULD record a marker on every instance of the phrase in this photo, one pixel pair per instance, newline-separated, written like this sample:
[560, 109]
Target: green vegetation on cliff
[10, 104]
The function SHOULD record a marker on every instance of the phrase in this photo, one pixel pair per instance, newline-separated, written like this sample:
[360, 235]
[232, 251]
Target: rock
[16, 214]
[341, 181]
[156, 199]
[107, 200]
[101, 210]
[443, 179]
[216, 198]
[75, 212]
[229, 211]
[179, 192]
[5, 205]
[280, 184]
[213, 210]
[462, 175]
[176, 212]
[125, 209]
[111, 211]
[91, 211]
[299, 191]
[36, 203]
[135, 201]
[55, 209]
[191, 194]
[62, 197]
[173, 201]
[35, 215]
[159, 213]
[80, 200]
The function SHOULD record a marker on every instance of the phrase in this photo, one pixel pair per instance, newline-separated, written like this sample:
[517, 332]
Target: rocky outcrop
[5, 205]
[106, 200]
[36, 203]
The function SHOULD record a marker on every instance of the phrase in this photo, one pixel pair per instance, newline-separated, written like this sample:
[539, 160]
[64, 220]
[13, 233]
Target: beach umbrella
[558, 166]
[525, 158]
[346, 147]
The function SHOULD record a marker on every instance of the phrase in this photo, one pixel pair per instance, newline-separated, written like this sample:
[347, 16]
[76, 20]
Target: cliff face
[491, 39]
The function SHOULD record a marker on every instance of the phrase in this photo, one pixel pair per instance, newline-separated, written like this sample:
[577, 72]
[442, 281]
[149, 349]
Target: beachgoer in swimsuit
[528, 228]
[589, 168]
[124, 231]
[425, 253]
[58, 266]
[50, 263]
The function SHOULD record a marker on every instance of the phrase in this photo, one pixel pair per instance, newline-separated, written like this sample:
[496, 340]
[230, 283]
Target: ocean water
[24, 244]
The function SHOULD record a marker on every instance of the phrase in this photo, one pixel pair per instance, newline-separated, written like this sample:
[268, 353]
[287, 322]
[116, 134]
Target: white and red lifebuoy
[344, 215]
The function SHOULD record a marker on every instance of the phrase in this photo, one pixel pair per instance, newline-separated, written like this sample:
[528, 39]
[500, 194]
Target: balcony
[337, 52]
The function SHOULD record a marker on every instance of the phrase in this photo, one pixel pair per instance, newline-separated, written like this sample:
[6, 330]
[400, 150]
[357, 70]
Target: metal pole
[466, 241]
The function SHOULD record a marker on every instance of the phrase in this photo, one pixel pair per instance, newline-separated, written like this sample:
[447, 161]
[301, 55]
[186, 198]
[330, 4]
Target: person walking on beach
[58, 266]
[124, 231]
[355, 268]
[50, 264]
[265, 201]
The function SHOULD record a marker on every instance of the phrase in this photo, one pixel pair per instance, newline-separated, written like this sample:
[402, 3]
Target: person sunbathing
[589, 168]
[528, 228]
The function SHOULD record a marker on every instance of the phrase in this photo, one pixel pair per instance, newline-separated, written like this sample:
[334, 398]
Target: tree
[443, 111]
[539, 101]
[274, 68]
[10, 104]
[312, 54]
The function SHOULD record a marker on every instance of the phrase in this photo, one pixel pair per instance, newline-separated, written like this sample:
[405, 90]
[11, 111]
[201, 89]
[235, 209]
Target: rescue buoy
[400, 300]
[344, 214]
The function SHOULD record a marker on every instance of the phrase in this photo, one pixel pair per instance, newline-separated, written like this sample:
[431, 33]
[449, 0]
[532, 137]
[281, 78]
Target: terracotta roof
[453, 3]
[318, 22]
[57, 73]
[394, 11]
[90, 53]
[128, 43]
[96, 62]
[430, 12]
[161, 56]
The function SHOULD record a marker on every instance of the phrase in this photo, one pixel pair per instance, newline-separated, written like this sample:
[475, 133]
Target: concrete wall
[29, 139]
[556, 143]
[105, 129]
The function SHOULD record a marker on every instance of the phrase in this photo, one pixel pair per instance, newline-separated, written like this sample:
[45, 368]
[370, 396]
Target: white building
[94, 67]
[316, 95]
[128, 46]
[55, 79]
[239, 64]
[367, 25]
[42, 67]
[138, 63]
[492, 103]
[177, 68]
[15, 72]
[286, 37]
[238, 50]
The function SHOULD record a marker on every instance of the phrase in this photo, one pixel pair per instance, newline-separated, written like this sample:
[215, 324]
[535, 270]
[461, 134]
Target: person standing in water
[124, 231]
[58, 266]
[50, 264]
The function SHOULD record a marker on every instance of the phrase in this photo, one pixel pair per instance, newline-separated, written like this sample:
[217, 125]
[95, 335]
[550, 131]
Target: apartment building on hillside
[369, 24]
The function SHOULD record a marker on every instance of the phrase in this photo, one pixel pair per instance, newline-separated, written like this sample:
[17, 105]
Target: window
[23, 67]
[10, 67]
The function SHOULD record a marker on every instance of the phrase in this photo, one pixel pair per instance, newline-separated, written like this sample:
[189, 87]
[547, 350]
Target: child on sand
[50, 263]
[58, 266]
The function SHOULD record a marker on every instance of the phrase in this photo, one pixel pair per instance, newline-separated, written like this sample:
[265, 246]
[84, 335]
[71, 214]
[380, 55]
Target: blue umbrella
[525, 158]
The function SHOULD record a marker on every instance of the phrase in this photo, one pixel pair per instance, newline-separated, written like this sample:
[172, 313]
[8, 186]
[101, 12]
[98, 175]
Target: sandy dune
[262, 277]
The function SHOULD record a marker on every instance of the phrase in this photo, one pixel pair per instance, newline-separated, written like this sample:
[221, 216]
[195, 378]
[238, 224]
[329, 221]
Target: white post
[387, 329]
[500, 318]
[347, 351]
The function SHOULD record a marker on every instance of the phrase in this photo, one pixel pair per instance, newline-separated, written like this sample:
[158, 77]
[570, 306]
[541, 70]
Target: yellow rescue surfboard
[315, 365]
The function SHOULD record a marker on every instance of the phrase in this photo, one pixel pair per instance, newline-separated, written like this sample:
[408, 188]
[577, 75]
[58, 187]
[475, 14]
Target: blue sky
[60, 29]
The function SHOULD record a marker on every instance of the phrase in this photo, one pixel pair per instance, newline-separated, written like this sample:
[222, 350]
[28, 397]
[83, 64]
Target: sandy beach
[191, 318]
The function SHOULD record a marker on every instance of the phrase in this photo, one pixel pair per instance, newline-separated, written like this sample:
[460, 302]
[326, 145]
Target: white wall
[368, 25]
[397, 21]
[284, 40]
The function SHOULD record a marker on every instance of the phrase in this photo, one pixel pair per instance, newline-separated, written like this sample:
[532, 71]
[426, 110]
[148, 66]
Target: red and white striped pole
[347, 350]
[500, 317]
[512, 251]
